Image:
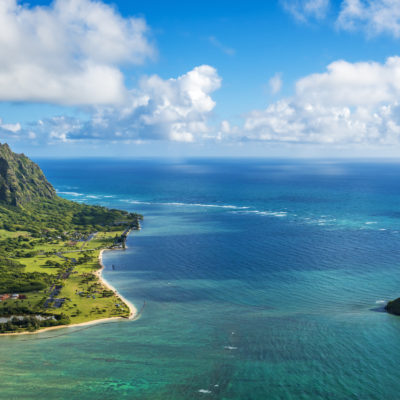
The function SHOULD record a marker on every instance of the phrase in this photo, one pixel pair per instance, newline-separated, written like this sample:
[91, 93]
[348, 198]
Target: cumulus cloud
[349, 103]
[10, 127]
[68, 53]
[353, 84]
[11, 131]
[304, 10]
[373, 16]
[174, 109]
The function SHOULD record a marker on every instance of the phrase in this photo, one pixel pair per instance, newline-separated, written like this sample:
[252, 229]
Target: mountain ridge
[21, 180]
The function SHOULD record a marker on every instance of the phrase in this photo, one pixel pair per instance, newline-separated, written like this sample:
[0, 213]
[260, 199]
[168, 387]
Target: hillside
[29, 202]
[21, 180]
[49, 251]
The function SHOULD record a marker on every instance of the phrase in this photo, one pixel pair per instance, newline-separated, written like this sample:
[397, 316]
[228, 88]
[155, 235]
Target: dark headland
[393, 307]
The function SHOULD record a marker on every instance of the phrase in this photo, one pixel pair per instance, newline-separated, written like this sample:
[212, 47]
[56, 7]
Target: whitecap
[380, 302]
[70, 193]
[230, 347]
[180, 204]
[268, 213]
[235, 209]
[204, 205]
[137, 202]
[279, 214]
[370, 223]
[205, 391]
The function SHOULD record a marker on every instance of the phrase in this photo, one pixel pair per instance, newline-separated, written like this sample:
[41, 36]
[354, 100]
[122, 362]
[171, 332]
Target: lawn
[86, 299]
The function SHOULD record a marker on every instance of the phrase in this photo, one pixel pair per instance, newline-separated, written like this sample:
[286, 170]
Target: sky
[276, 78]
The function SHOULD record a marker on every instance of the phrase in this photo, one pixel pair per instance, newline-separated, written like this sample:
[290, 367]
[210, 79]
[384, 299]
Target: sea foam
[76, 194]
[179, 204]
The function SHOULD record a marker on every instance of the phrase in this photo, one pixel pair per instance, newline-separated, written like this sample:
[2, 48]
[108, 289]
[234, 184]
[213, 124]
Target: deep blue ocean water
[261, 279]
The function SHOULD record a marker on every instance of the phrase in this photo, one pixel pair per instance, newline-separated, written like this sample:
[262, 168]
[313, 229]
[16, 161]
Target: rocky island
[393, 307]
[50, 252]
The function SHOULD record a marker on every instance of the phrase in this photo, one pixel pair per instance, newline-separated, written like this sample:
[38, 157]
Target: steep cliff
[21, 180]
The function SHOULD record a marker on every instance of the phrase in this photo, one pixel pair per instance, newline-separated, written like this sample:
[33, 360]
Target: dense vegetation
[45, 250]
[58, 215]
[21, 180]
[32, 323]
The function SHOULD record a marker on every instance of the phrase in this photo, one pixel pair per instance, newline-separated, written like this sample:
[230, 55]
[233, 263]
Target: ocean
[257, 279]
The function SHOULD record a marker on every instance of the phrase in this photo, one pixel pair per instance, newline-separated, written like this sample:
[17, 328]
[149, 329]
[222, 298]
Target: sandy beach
[133, 312]
[132, 309]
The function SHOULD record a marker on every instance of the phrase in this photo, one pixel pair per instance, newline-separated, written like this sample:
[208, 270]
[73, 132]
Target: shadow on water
[380, 309]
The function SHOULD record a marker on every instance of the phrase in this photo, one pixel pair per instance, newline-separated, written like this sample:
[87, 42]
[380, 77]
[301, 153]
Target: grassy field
[71, 265]
[7, 234]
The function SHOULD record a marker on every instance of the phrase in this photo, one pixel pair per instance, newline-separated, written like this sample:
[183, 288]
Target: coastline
[132, 309]
[133, 312]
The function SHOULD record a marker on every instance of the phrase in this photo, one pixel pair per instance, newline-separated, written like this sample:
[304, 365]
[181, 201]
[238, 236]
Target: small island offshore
[50, 253]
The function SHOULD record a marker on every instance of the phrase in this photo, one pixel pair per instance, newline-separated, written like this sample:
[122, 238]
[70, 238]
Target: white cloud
[373, 16]
[172, 109]
[14, 128]
[303, 10]
[353, 84]
[349, 103]
[275, 83]
[67, 53]
[10, 131]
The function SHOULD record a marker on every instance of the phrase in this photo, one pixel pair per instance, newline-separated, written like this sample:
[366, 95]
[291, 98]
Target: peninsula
[50, 253]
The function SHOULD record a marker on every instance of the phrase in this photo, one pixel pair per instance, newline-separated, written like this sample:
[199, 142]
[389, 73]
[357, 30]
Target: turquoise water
[261, 280]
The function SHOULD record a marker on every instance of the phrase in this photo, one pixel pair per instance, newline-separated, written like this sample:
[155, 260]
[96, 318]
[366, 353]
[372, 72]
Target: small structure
[4, 297]
[58, 303]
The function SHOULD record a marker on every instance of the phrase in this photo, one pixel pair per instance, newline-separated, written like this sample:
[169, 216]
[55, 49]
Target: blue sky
[211, 78]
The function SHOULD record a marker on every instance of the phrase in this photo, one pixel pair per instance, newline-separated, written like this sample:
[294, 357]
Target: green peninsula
[49, 252]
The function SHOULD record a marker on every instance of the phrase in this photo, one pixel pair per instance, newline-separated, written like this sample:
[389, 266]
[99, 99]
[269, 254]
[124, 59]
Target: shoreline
[133, 311]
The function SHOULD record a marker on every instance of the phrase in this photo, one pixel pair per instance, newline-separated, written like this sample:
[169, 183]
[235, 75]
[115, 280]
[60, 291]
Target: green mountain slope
[28, 202]
[49, 251]
[21, 180]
